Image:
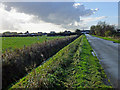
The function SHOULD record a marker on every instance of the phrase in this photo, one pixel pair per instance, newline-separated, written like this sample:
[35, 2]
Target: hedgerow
[72, 67]
[16, 64]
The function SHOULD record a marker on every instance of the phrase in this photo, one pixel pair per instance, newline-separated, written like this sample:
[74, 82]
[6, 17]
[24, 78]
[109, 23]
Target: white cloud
[86, 22]
[12, 19]
[16, 21]
[89, 19]
[76, 5]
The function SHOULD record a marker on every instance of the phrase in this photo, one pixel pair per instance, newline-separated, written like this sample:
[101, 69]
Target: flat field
[11, 43]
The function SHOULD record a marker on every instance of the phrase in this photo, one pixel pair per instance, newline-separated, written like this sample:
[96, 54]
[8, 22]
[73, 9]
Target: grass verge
[108, 38]
[72, 67]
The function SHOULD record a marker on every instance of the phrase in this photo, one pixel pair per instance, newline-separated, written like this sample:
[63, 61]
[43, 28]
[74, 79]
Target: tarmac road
[107, 53]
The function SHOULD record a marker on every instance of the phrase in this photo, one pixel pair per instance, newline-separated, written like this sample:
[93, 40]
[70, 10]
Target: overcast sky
[55, 16]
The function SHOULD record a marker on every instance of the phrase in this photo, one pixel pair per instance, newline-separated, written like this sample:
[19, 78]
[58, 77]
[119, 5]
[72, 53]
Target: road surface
[107, 53]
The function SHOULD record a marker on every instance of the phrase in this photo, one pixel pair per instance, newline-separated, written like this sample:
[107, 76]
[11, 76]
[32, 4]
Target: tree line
[103, 29]
[52, 33]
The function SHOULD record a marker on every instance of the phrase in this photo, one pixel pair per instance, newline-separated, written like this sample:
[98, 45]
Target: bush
[108, 33]
[102, 29]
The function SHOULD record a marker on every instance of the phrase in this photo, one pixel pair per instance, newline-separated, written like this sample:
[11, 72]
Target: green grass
[108, 38]
[11, 43]
[72, 67]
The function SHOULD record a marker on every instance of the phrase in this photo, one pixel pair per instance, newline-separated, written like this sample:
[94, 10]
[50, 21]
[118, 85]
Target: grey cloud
[60, 13]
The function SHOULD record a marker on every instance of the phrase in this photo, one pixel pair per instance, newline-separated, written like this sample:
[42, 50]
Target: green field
[11, 43]
[74, 66]
[107, 38]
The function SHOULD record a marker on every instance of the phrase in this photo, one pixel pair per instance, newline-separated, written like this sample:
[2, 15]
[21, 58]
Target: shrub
[108, 33]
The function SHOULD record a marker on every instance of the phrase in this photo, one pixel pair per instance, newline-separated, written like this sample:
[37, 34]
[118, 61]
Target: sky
[55, 16]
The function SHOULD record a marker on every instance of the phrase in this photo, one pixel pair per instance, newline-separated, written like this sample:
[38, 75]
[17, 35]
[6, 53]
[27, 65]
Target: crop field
[11, 43]
[74, 66]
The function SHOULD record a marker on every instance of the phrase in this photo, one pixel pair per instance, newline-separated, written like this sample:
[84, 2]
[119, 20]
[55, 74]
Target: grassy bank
[72, 67]
[109, 38]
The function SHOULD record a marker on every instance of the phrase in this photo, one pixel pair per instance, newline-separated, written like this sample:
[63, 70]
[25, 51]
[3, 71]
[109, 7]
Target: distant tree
[14, 33]
[98, 30]
[20, 33]
[27, 32]
[52, 32]
[92, 30]
[6, 33]
[102, 29]
[39, 33]
[78, 32]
